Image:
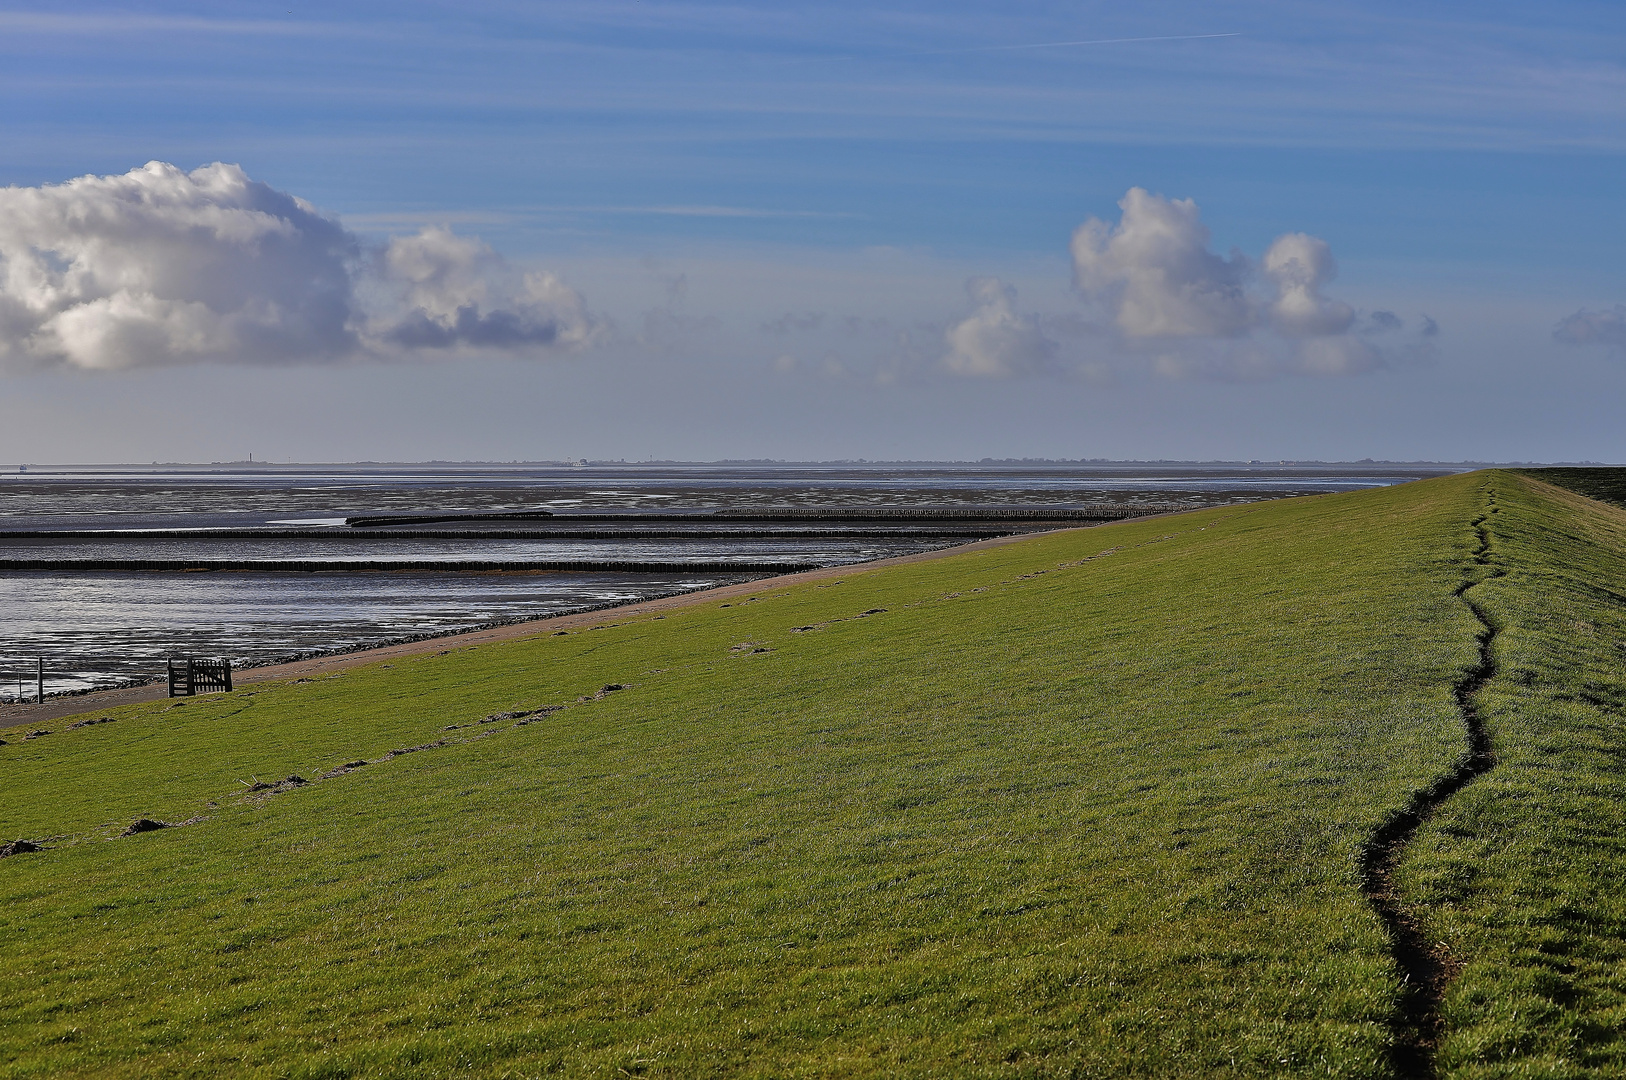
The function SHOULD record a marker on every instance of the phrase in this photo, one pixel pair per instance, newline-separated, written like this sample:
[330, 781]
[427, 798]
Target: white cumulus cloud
[163, 266]
[438, 290]
[1155, 271]
[1188, 312]
[158, 264]
[1299, 265]
[995, 340]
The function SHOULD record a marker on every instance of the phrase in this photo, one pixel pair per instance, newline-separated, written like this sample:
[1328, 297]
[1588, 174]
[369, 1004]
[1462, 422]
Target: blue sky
[770, 220]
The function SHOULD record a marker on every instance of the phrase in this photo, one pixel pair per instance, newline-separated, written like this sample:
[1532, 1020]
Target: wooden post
[42, 681]
[180, 679]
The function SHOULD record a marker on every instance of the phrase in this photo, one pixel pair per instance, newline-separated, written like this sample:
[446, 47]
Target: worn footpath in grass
[1523, 874]
[1086, 805]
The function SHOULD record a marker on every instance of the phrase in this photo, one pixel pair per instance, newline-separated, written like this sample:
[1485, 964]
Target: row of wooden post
[186, 678]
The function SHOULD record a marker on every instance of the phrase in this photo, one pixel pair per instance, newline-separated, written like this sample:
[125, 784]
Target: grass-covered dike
[1090, 804]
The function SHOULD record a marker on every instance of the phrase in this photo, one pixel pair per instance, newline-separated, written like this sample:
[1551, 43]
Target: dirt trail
[13, 716]
[1424, 967]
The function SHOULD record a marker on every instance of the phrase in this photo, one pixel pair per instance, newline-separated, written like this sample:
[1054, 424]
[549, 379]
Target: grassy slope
[1055, 811]
[1602, 482]
[1524, 873]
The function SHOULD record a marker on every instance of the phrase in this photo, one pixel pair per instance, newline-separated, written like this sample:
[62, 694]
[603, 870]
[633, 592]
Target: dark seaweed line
[1424, 969]
[705, 530]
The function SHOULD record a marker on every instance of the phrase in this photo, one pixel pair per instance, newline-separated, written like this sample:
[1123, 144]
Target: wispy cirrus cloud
[394, 220]
[104, 23]
[702, 211]
[1018, 47]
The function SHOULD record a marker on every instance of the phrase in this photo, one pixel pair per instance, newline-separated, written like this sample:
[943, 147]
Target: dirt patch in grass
[437, 744]
[289, 784]
[349, 766]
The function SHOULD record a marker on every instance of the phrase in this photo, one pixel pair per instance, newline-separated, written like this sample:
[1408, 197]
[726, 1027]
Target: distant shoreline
[30, 468]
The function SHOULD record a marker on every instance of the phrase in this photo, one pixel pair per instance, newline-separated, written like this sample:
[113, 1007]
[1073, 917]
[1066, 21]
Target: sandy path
[12, 716]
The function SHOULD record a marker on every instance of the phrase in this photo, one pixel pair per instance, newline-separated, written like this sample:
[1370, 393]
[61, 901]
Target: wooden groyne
[1114, 512]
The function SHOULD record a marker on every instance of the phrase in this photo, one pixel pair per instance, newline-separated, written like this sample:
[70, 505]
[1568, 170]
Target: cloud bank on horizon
[161, 266]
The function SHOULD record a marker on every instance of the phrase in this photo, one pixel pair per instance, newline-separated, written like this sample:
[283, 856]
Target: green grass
[1085, 805]
[1603, 482]
[1524, 873]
